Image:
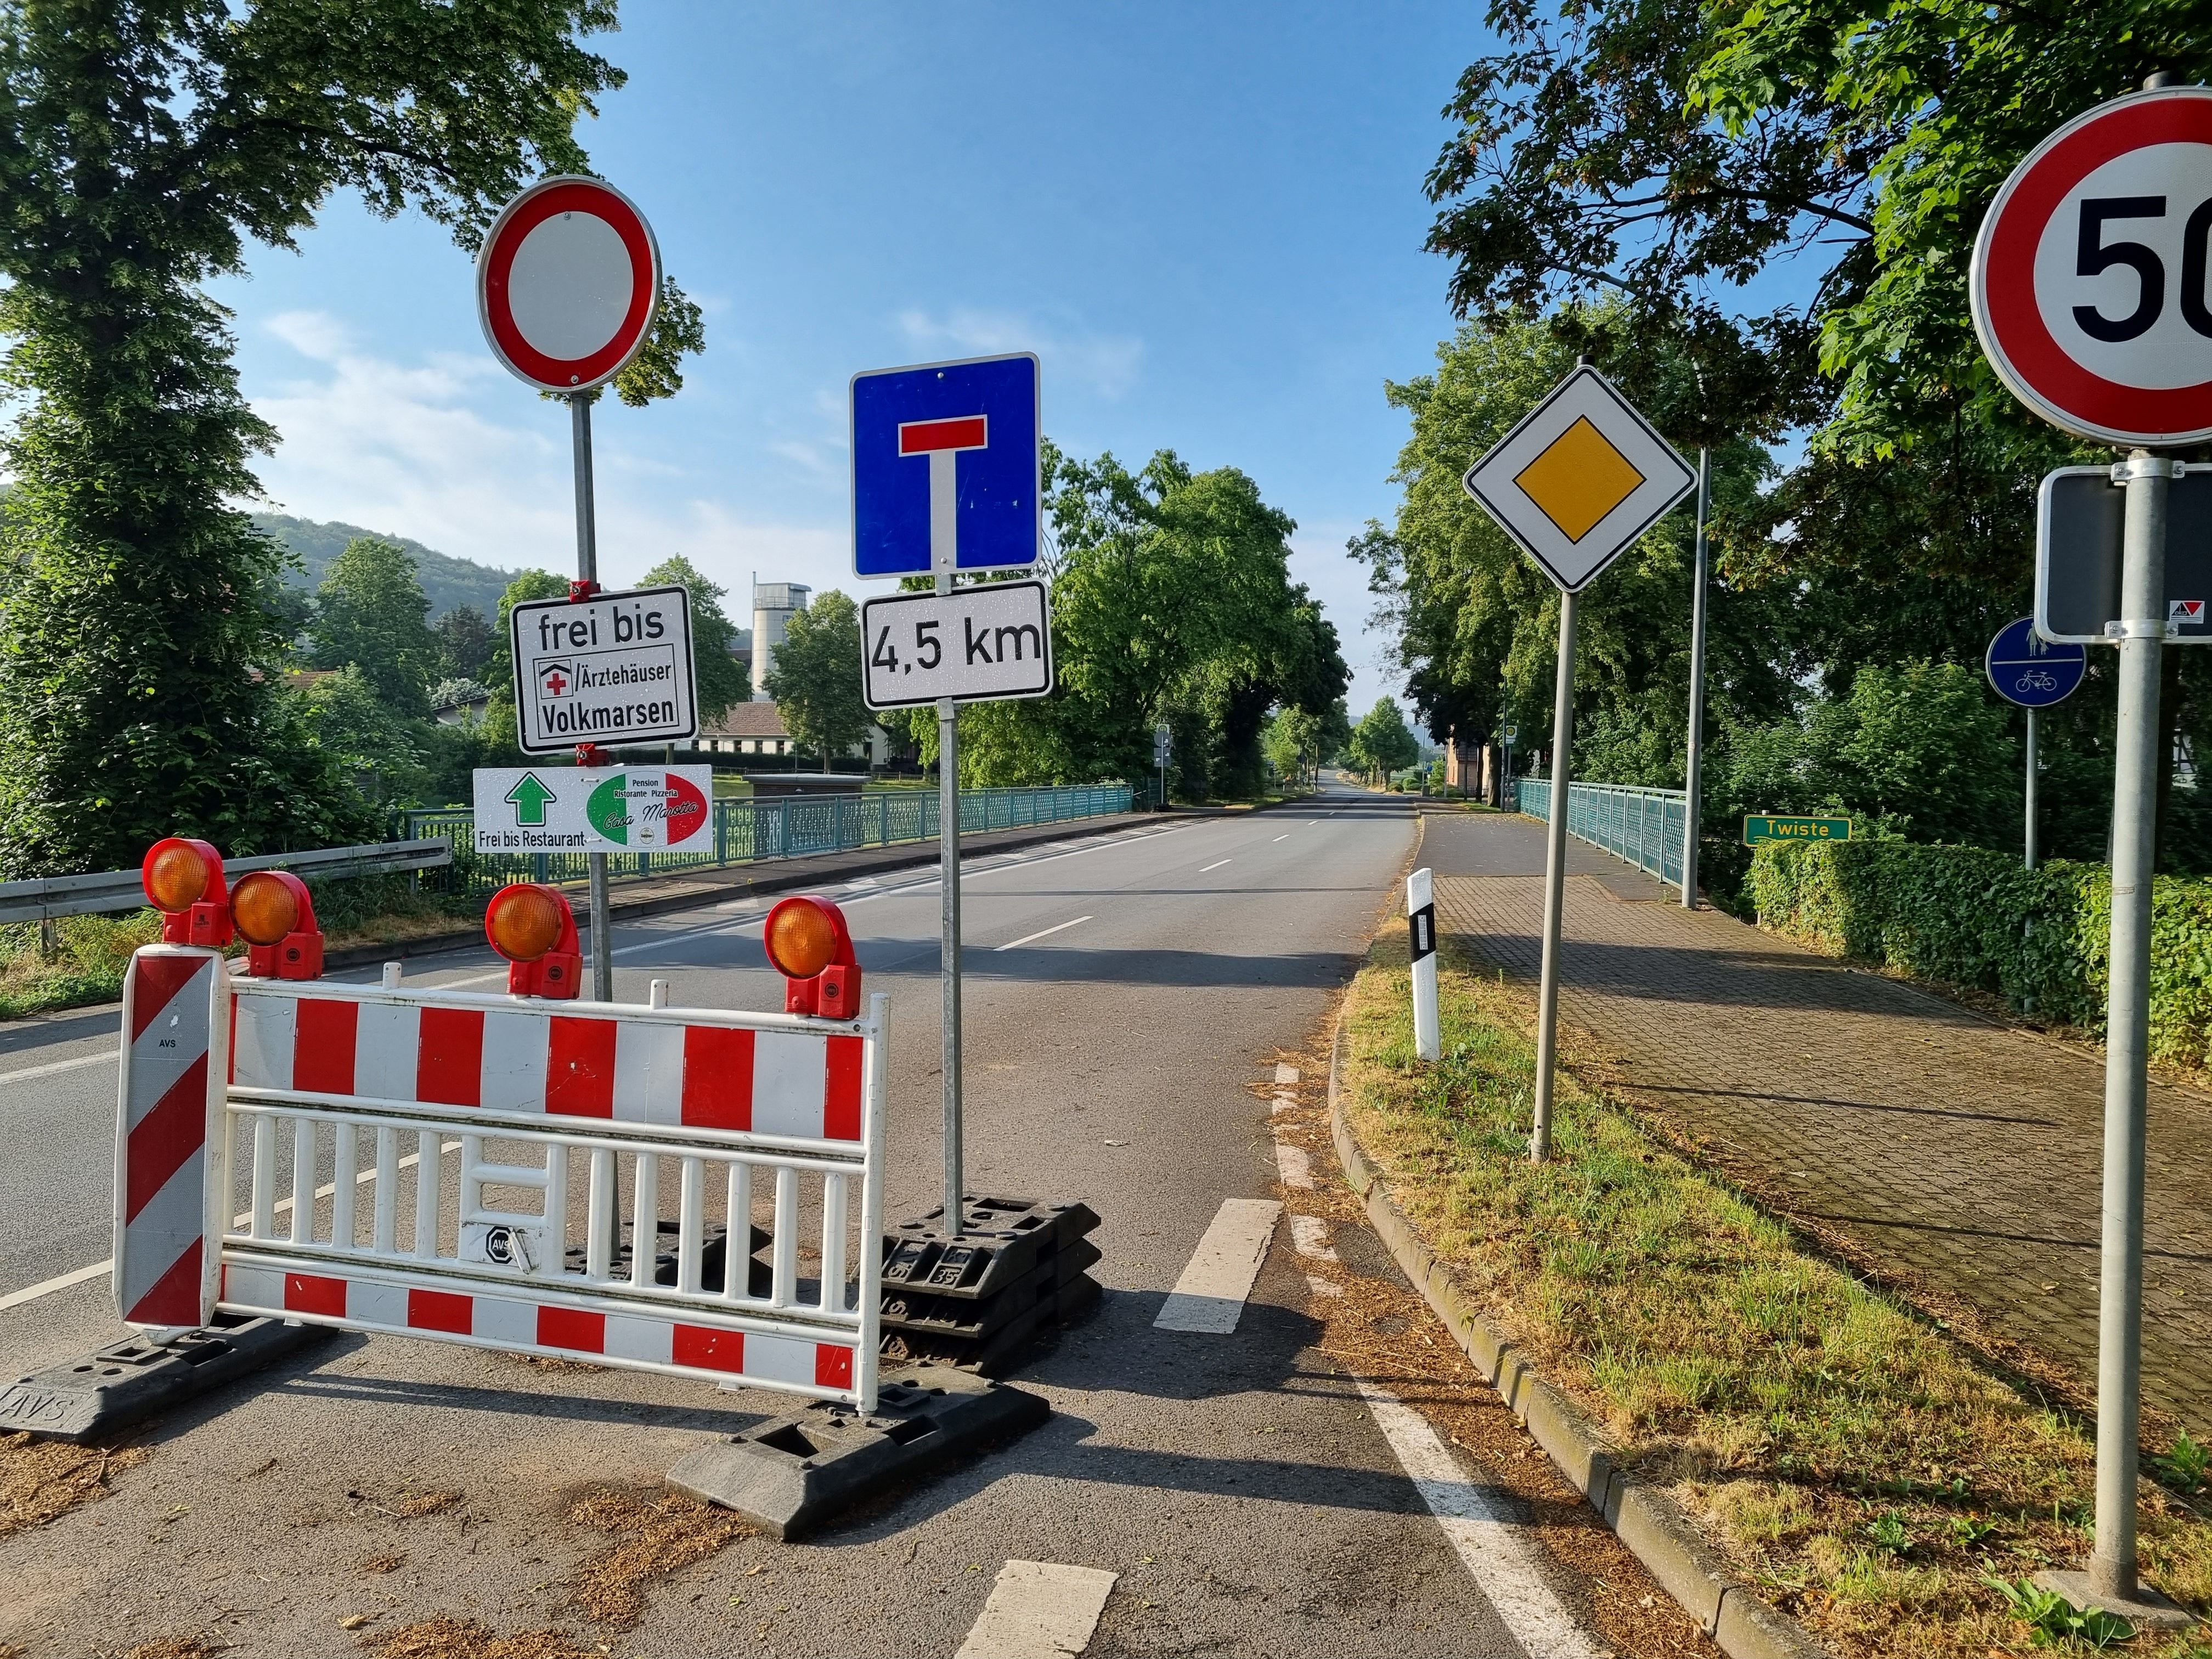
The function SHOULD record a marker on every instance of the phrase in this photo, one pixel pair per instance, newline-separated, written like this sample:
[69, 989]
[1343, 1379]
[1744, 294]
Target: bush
[1975, 918]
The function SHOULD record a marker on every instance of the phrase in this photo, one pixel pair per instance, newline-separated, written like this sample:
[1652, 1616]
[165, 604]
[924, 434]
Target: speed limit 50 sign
[2090, 275]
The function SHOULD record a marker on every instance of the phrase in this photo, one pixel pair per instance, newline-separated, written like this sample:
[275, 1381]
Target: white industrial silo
[774, 604]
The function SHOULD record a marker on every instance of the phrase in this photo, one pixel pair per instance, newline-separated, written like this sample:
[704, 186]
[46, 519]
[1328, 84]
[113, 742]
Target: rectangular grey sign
[2078, 517]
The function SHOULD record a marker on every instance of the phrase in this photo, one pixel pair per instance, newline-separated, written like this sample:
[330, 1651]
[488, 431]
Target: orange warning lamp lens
[525, 921]
[176, 878]
[264, 909]
[801, 940]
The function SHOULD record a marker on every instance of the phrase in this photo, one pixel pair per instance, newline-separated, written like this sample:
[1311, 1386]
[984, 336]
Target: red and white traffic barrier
[170, 1107]
[269, 1080]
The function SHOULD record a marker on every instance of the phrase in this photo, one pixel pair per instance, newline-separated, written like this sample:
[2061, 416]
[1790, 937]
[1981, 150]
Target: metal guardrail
[41, 900]
[750, 829]
[1644, 826]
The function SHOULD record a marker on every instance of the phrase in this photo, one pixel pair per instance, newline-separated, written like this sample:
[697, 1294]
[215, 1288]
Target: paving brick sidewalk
[1962, 1151]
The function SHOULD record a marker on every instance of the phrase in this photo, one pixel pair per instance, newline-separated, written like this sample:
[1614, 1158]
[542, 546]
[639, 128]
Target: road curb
[1644, 1518]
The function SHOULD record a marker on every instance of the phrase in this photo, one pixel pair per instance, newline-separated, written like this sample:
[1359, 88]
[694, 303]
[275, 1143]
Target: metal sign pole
[948, 840]
[587, 573]
[2029, 843]
[1697, 748]
[2127, 1022]
[1555, 879]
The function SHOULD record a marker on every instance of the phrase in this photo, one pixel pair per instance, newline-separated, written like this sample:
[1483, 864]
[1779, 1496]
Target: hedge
[1975, 918]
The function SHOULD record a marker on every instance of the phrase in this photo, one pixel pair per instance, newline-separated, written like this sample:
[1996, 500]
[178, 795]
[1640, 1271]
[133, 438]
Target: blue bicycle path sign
[2029, 670]
[946, 462]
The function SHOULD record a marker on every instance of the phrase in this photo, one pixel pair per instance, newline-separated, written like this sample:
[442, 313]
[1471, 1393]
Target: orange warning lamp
[533, 927]
[809, 944]
[184, 881]
[272, 909]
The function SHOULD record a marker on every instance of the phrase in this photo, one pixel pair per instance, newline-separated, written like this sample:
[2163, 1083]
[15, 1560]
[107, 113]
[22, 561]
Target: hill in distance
[447, 582]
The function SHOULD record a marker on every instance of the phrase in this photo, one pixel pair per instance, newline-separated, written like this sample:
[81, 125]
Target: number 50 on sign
[972, 644]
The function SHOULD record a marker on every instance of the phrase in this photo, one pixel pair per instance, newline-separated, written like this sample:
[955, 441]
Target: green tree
[465, 643]
[143, 150]
[816, 680]
[722, 680]
[498, 727]
[1291, 742]
[1383, 743]
[373, 742]
[369, 613]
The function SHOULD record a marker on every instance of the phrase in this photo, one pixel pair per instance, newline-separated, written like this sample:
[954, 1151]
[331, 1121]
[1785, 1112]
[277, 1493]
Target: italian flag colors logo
[646, 808]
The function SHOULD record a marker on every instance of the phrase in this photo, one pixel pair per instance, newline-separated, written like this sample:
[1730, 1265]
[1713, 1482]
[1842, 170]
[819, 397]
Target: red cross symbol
[557, 682]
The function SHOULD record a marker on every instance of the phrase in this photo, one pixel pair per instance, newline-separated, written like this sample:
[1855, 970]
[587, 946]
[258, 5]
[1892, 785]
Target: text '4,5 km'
[990, 641]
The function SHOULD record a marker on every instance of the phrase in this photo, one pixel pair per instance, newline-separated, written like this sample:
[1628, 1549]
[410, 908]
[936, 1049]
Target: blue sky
[1206, 221]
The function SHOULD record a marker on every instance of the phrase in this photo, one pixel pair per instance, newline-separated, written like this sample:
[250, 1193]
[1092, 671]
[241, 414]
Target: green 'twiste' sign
[1766, 826]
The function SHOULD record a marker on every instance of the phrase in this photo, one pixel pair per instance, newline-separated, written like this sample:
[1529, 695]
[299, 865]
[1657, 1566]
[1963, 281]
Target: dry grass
[450, 1637]
[658, 1534]
[41, 1480]
[428, 1503]
[1844, 1452]
[178, 1647]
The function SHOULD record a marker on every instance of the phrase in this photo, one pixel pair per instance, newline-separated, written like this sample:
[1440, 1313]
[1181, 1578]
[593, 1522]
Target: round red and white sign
[2090, 275]
[567, 282]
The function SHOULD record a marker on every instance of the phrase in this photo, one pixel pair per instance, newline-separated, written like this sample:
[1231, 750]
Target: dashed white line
[1039, 1610]
[1042, 933]
[1210, 1296]
[1496, 1549]
[47, 1287]
[1293, 1167]
[1285, 836]
[1216, 866]
[52, 1066]
[1309, 1235]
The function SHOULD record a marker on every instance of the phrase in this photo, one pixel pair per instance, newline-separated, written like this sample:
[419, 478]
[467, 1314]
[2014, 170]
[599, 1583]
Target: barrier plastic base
[792, 1475]
[126, 1382]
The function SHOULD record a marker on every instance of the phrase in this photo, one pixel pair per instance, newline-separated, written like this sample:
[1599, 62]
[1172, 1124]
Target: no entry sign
[2090, 275]
[567, 282]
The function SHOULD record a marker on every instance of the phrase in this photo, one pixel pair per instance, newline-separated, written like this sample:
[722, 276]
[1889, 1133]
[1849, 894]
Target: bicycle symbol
[2035, 680]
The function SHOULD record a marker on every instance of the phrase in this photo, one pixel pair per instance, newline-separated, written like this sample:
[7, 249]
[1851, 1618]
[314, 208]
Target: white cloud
[1106, 363]
[401, 449]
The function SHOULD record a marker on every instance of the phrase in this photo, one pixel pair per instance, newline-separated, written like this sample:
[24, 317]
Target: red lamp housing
[183, 879]
[810, 946]
[272, 909]
[533, 928]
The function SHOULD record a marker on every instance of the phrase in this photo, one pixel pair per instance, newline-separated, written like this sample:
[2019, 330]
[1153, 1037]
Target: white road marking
[1216, 866]
[1293, 1167]
[1321, 1286]
[47, 1287]
[1498, 1551]
[1309, 1234]
[52, 1066]
[1285, 836]
[1285, 1075]
[1210, 1296]
[1039, 1610]
[1042, 933]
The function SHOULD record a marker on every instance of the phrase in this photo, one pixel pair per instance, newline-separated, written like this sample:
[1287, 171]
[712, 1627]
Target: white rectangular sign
[612, 669]
[599, 808]
[973, 645]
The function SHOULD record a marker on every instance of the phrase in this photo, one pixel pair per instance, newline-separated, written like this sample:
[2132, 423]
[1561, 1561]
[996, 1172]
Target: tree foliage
[816, 679]
[465, 643]
[1383, 743]
[721, 679]
[1172, 604]
[143, 150]
[370, 615]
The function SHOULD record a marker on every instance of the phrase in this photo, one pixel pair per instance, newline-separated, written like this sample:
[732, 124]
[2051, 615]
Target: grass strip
[1850, 1458]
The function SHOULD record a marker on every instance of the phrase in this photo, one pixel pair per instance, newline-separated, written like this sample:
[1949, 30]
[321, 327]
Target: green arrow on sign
[530, 799]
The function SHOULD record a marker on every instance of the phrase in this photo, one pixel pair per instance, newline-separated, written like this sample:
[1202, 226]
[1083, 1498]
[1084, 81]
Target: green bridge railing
[1644, 826]
[747, 830]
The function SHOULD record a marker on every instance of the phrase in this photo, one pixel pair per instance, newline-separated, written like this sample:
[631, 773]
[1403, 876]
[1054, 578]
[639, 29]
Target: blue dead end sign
[945, 460]
[2026, 668]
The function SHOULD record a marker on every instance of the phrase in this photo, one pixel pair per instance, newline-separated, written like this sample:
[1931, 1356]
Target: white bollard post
[1421, 919]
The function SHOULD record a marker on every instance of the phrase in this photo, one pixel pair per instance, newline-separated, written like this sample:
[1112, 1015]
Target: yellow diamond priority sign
[1581, 478]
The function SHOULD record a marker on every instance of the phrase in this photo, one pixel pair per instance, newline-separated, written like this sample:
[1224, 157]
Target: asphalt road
[1240, 1485]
